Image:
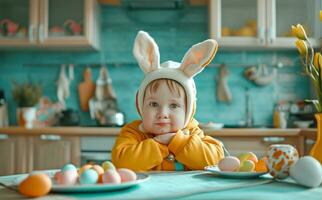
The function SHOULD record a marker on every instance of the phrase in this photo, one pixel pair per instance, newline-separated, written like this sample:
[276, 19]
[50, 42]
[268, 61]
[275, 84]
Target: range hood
[153, 4]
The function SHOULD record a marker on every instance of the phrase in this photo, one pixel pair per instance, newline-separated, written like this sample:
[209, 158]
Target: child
[167, 137]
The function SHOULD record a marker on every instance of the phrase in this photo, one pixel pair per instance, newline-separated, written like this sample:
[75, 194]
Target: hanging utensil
[86, 89]
[223, 91]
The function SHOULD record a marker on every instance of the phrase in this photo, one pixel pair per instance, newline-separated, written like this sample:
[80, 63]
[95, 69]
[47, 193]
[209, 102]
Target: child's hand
[164, 138]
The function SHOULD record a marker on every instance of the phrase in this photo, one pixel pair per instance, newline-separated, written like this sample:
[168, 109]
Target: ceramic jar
[280, 157]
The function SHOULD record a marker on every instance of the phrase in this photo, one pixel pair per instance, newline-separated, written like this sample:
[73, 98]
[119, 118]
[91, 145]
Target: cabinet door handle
[273, 139]
[50, 137]
[41, 33]
[270, 36]
[3, 136]
[261, 34]
[31, 33]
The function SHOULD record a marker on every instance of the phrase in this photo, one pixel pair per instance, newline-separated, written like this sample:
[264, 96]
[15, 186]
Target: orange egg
[35, 185]
[84, 167]
[261, 166]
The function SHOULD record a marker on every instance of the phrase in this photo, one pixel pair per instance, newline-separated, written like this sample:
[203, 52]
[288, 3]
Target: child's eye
[153, 104]
[174, 105]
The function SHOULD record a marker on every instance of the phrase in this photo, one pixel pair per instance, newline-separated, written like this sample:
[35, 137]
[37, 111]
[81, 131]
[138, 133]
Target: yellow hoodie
[138, 151]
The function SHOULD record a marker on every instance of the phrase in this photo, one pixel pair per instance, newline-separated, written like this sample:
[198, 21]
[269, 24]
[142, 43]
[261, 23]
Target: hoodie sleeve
[195, 150]
[132, 150]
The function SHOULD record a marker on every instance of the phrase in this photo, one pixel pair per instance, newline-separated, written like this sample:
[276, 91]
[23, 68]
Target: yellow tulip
[320, 15]
[317, 62]
[299, 31]
[301, 46]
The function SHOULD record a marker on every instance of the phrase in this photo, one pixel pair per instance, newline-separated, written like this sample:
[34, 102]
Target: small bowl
[212, 125]
[303, 124]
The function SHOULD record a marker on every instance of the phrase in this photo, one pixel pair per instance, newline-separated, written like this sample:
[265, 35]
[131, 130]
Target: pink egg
[111, 177]
[126, 175]
[68, 177]
[229, 164]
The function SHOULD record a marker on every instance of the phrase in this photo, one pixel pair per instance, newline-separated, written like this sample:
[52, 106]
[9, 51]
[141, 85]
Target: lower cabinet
[13, 155]
[53, 151]
[23, 154]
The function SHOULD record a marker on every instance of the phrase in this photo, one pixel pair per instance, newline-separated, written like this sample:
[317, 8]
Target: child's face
[163, 112]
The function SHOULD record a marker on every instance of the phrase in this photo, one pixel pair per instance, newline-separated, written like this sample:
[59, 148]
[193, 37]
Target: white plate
[141, 177]
[211, 125]
[216, 170]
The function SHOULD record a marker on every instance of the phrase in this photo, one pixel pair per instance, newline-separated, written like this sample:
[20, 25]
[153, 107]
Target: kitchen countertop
[189, 185]
[113, 131]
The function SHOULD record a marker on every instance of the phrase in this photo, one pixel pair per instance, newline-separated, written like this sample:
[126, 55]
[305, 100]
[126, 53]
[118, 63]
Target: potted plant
[26, 96]
[312, 67]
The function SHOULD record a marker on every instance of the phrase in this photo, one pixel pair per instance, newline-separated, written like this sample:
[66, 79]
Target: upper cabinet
[262, 23]
[54, 24]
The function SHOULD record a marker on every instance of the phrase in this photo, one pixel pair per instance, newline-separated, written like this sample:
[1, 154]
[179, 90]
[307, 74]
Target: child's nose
[163, 113]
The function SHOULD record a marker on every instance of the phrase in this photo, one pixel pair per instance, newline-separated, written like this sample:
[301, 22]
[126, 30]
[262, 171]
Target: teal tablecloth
[192, 185]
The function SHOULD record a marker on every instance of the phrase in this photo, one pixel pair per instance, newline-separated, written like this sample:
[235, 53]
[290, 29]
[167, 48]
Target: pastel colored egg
[88, 176]
[68, 177]
[307, 171]
[68, 167]
[108, 165]
[100, 171]
[261, 165]
[247, 166]
[111, 176]
[35, 185]
[126, 175]
[230, 164]
[83, 168]
[247, 156]
[280, 157]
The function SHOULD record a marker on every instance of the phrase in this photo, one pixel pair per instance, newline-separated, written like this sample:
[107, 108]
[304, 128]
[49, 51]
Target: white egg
[307, 171]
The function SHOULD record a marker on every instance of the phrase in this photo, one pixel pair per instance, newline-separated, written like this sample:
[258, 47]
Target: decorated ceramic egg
[35, 185]
[83, 168]
[126, 174]
[68, 177]
[280, 157]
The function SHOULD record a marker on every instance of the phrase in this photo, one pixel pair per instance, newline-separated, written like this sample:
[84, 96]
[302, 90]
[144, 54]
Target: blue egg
[68, 167]
[89, 176]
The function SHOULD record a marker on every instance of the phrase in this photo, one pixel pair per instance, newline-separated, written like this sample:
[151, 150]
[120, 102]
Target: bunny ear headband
[147, 54]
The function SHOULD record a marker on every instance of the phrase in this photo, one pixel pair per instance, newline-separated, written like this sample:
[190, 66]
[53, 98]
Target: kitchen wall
[183, 29]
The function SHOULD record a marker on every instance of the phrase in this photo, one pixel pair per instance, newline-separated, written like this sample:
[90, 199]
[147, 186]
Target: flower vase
[26, 116]
[316, 150]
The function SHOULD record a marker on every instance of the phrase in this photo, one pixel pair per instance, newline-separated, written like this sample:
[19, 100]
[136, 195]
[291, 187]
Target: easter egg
[261, 166]
[35, 185]
[111, 176]
[108, 165]
[126, 175]
[247, 166]
[307, 171]
[280, 157]
[88, 176]
[68, 177]
[247, 156]
[83, 168]
[100, 171]
[229, 163]
[68, 167]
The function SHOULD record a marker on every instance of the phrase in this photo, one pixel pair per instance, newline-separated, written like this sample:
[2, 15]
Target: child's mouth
[162, 124]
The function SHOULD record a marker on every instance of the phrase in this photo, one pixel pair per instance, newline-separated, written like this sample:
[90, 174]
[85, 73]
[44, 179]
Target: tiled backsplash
[119, 29]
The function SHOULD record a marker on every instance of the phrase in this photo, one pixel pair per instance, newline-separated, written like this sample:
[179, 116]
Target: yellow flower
[317, 62]
[301, 46]
[299, 32]
[320, 15]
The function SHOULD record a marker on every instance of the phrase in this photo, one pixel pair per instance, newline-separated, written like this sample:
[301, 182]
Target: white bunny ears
[147, 54]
